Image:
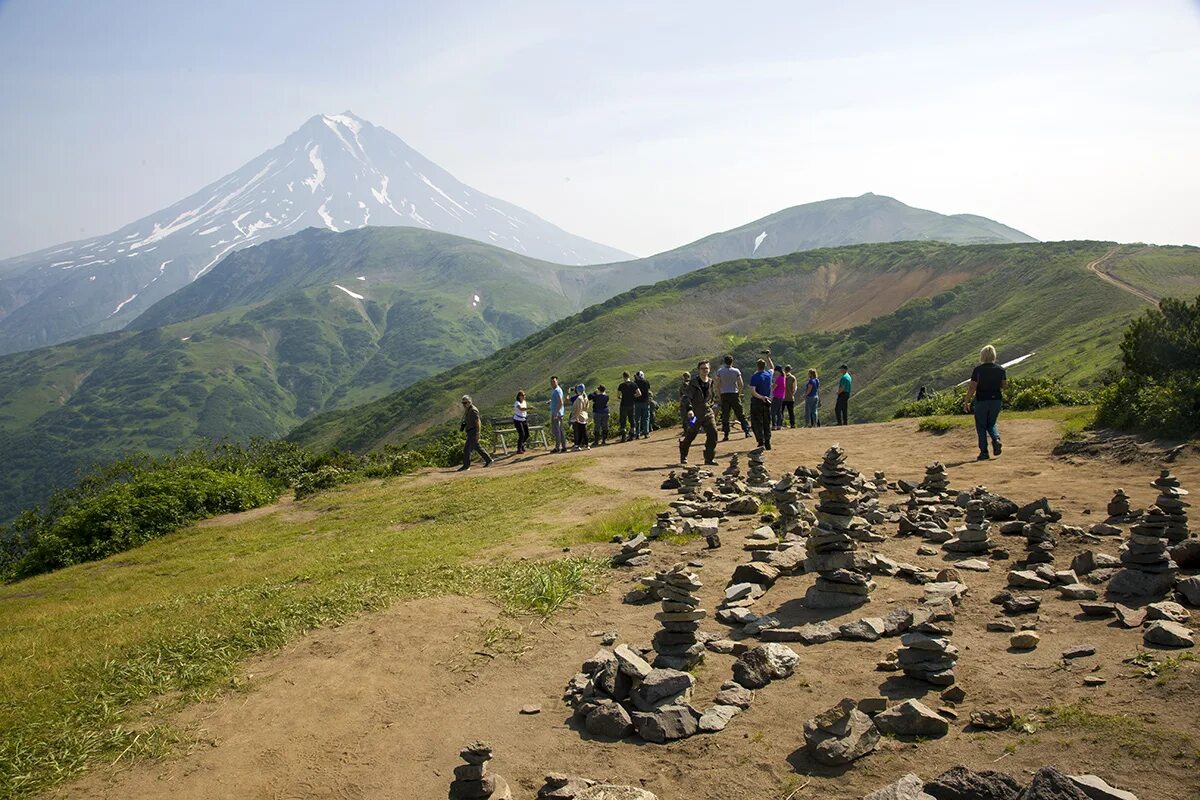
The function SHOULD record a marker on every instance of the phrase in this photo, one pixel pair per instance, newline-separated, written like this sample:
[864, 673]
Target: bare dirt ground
[379, 707]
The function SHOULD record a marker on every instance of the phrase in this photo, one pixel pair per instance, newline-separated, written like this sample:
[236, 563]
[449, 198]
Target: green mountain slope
[324, 319]
[903, 315]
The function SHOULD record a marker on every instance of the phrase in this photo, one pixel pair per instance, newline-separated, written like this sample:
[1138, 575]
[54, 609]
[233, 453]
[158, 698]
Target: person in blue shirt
[557, 406]
[812, 399]
[841, 408]
[761, 386]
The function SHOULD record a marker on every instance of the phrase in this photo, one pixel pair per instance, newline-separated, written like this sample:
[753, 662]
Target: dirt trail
[1108, 277]
[378, 707]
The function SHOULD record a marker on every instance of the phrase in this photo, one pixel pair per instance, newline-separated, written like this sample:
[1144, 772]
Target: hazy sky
[640, 125]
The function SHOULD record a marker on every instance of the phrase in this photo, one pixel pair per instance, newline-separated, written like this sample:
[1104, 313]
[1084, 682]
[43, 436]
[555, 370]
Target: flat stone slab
[1168, 634]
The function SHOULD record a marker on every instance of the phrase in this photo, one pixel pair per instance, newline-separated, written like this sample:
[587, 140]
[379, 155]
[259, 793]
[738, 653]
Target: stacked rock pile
[1170, 501]
[569, 787]
[472, 780]
[831, 545]
[794, 519]
[840, 734]
[678, 644]
[935, 482]
[618, 692]
[734, 470]
[690, 480]
[665, 524]
[1118, 507]
[1039, 544]
[633, 553]
[731, 485]
[926, 653]
[972, 537]
[757, 475]
[1149, 569]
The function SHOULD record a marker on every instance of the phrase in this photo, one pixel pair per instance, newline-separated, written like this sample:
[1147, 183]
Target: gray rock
[1186, 554]
[1079, 651]
[1189, 590]
[1130, 617]
[910, 787]
[604, 791]
[596, 662]
[1097, 788]
[1050, 784]
[912, 718]
[716, 718]
[1168, 611]
[974, 565]
[758, 666]
[631, 662]
[897, 622]
[1141, 584]
[610, 721]
[661, 684]
[733, 694]
[1027, 579]
[563, 787]
[849, 738]
[1167, 634]
[1077, 591]
[863, 630]
[755, 572]
[1025, 640]
[961, 783]
[991, 719]
[739, 590]
[1098, 609]
[666, 724]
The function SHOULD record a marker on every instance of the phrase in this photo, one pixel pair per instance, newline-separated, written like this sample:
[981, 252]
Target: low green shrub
[1021, 394]
[667, 415]
[320, 479]
[936, 425]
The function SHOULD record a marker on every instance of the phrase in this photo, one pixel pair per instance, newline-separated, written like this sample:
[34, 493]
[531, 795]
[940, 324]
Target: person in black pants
[470, 425]
[761, 384]
[626, 390]
[841, 408]
[521, 421]
[699, 395]
[599, 400]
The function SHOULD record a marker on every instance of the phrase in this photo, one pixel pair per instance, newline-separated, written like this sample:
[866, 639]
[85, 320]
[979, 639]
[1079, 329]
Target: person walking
[986, 387]
[641, 406]
[521, 421]
[557, 411]
[812, 398]
[626, 393]
[729, 382]
[789, 396]
[778, 392]
[700, 392]
[471, 423]
[581, 408]
[761, 384]
[841, 408]
[599, 400]
[683, 399]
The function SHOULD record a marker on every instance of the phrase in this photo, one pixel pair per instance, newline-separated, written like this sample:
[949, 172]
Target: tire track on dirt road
[1107, 277]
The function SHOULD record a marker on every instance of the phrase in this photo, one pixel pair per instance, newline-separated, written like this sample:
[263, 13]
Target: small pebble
[531, 710]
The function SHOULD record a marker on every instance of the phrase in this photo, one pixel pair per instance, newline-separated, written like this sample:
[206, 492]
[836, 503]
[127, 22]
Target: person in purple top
[762, 384]
[778, 393]
[812, 399]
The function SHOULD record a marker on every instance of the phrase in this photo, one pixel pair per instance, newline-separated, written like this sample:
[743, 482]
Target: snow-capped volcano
[337, 171]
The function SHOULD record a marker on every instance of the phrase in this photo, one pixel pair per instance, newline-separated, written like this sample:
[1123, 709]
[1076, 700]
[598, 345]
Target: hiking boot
[981, 457]
[711, 462]
[488, 463]
[747, 434]
[725, 438]
[463, 469]
[996, 447]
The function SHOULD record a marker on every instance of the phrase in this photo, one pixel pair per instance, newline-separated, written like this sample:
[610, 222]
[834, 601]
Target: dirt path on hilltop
[379, 707]
[1108, 277]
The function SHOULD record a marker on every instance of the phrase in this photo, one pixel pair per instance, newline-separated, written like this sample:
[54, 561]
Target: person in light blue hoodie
[557, 411]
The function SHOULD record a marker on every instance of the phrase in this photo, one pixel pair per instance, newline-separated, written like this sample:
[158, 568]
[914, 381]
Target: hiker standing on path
[581, 408]
[557, 410]
[789, 396]
[778, 392]
[599, 400]
[729, 382]
[841, 409]
[521, 421]
[700, 395]
[641, 406]
[683, 400]
[812, 399]
[760, 401]
[626, 391]
[470, 424]
[987, 383]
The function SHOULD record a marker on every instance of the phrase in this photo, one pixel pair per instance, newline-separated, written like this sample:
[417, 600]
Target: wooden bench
[503, 427]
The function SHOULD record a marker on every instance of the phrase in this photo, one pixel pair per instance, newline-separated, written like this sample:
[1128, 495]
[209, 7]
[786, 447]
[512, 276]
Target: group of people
[773, 390]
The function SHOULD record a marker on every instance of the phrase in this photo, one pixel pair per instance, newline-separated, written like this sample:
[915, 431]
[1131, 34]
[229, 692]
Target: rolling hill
[338, 172]
[902, 315]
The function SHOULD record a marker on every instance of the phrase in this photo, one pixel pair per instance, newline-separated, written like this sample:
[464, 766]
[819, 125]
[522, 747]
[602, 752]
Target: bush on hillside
[1158, 390]
[1021, 394]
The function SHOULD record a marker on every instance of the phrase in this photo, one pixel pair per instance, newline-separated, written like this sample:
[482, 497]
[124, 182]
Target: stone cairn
[1118, 507]
[678, 644]
[794, 519]
[1149, 569]
[734, 470]
[689, 481]
[1170, 501]
[831, 545]
[757, 475]
[472, 779]
[1039, 544]
[666, 524]
[936, 485]
[633, 553]
[926, 653]
[972, 537]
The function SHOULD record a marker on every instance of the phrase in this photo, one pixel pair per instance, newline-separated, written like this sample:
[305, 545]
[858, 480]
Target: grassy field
[91, 654]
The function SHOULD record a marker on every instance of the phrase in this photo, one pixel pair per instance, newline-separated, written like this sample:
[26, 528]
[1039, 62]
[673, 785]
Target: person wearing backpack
[626, 392]
[641, 406]
[599, 400]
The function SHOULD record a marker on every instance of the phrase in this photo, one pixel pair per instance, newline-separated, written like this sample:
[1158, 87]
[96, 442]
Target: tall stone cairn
[734, 470]
[935, 484]
[678, 644]
[472, 780]
[757, 474]
[1039, 544]
[832, 544]
[973, 536]
[1148, 568]
[792, 515]
[1170, 501]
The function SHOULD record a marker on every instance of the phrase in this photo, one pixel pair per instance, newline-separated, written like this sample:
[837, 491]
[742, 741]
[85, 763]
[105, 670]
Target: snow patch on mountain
[355, 295]
[758, 240]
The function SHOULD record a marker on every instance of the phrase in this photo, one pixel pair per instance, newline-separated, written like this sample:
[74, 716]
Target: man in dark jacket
[700, 393]
[470, 425]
